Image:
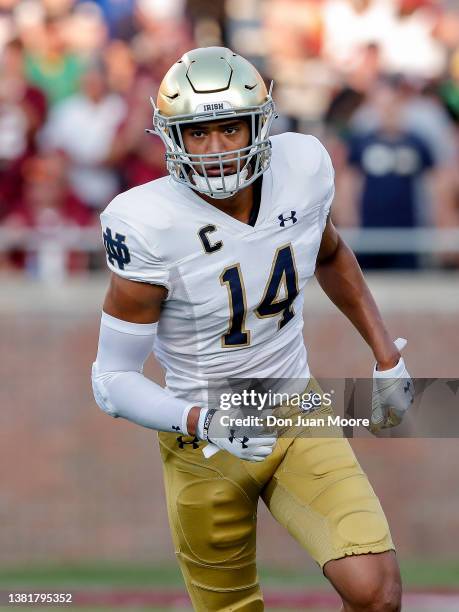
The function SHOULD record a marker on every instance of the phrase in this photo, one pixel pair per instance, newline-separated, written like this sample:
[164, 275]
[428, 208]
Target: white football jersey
[235, 292]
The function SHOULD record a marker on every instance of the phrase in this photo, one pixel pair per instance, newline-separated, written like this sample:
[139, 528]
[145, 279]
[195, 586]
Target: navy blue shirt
[390, 165]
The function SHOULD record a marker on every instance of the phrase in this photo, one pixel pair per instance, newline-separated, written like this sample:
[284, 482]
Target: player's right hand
[249, 444]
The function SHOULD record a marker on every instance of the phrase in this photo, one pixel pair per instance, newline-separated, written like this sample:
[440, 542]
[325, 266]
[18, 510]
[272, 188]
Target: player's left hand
[393, 393]
[250, 443]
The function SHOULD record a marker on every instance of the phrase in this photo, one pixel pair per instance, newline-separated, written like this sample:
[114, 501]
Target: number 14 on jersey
[282, 278]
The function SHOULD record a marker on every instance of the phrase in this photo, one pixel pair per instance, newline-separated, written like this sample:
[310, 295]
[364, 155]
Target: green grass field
[122, 577]
[416, 574]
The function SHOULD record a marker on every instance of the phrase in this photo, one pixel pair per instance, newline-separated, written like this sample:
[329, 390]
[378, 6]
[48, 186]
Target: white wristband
[399, 369]
[200, 424]
[395, 372]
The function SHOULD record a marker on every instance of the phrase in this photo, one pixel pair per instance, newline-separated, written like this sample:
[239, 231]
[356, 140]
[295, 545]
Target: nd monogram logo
[116, 249]
[283, 220]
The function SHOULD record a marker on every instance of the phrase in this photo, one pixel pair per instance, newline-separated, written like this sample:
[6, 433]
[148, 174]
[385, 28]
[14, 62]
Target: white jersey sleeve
[128, 252]
[328, 173]
[309, 167]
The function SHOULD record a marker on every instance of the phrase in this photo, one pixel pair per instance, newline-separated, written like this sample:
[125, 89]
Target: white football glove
[236, 440]
[393, 393]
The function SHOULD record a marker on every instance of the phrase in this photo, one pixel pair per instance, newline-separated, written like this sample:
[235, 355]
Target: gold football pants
[313, 485]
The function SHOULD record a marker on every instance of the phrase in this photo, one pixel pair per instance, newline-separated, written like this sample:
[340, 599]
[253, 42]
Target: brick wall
[76, 484]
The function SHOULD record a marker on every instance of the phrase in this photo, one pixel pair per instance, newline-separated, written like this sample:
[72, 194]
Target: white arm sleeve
[119, 386]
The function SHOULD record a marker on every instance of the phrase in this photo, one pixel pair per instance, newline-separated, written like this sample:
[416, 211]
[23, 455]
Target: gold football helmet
[207, 84]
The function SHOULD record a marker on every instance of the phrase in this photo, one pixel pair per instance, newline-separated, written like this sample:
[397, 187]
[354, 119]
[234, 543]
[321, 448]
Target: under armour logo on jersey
[116, 249]
[283, 220]
[183, 442]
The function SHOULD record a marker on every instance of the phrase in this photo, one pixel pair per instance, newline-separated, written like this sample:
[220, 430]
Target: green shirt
[58, 78]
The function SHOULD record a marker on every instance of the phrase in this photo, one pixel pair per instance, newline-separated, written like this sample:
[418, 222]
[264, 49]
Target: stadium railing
[50, 245]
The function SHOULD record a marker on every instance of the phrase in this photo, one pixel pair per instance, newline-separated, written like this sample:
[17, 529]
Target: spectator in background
[48, 206]
[447, 215]
[402, 29]
[50, 65]
[322, 54]
[83, 127]
[384, 165]
[164, 35]
[422, 114]
[351, 25]
[119, 17]
[348, 97]
[449, 88]
[410, 46]
[57, 8]
[121, 67]
[139, 157]
[22, 113]
[7, 22]
[293, 35]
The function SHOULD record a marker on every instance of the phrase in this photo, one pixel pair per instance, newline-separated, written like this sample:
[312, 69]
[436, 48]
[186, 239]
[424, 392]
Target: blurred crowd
[376, 80]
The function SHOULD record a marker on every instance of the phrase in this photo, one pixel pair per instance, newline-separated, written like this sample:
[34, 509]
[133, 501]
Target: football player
[209, 266]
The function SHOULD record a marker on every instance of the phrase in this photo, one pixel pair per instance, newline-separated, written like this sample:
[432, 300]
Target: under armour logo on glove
[283, 220]
[116, 249]
[243, 441]
[407, 389]
[183, 443]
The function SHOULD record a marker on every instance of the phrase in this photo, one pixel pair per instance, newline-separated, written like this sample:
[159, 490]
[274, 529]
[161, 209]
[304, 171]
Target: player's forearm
[121, 390]
[342, 280]
[134, 397]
